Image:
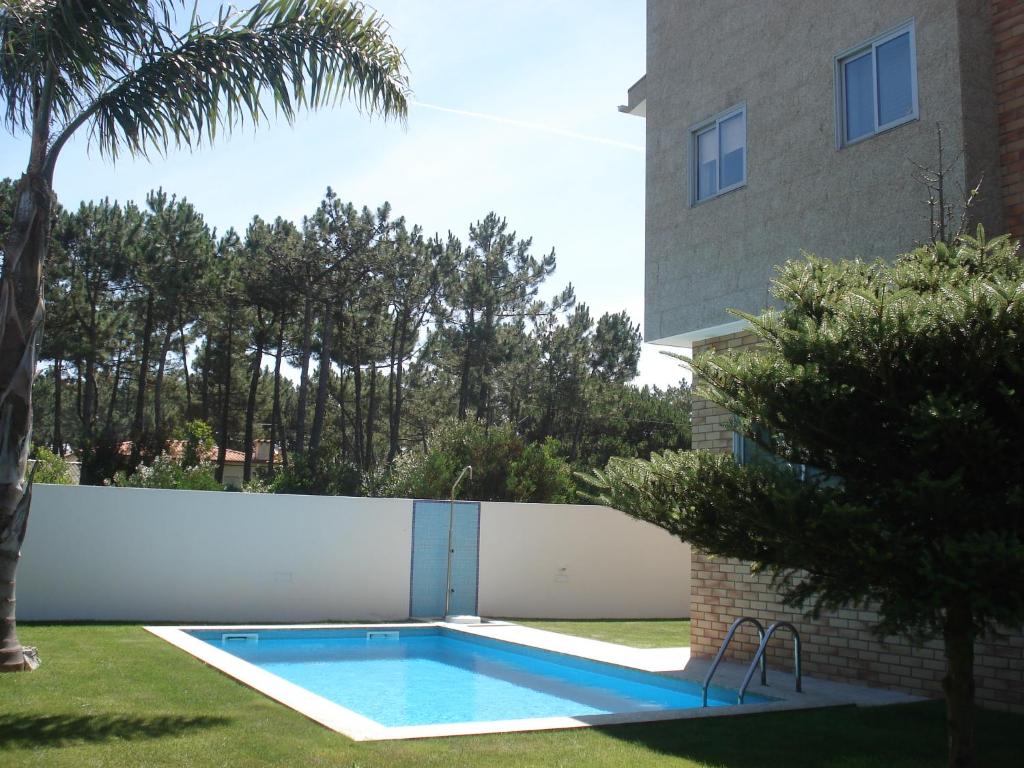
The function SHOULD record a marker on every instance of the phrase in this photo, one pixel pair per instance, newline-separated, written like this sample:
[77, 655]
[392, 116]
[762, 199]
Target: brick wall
[837, 646]
[1008, 55]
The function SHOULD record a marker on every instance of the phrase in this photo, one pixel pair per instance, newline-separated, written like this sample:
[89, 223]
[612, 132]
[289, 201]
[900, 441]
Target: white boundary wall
[578, 561]
[134, 554]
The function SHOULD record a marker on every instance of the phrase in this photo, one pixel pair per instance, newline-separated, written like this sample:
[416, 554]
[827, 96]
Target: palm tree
[126, 72]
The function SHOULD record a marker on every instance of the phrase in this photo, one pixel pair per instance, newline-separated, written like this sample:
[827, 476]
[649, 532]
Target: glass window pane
[707, 163]
[895, 92]
[733, 141]
[857, 87]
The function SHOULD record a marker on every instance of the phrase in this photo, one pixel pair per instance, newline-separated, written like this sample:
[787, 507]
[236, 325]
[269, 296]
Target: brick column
[1008, 55]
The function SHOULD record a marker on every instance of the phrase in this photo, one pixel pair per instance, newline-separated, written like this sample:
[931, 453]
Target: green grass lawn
[113, 695]
[649, 633]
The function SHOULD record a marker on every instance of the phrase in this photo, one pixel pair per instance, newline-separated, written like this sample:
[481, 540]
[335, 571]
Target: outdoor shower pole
[451, 537]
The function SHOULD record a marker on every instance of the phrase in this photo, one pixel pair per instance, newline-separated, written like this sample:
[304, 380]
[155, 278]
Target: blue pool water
[431, 675]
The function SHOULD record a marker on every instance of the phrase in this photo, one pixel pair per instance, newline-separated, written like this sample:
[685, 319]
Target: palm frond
[293, 53]
[75, 45]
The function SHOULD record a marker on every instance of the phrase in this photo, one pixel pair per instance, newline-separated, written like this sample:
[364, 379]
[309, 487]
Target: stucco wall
[801, 192]
[141, 554]
[151, 555]
[566, 561]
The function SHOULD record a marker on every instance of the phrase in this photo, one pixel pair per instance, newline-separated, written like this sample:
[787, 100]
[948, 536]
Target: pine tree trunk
[58, 414]
[466, 364]
[87, 399]
[275, 417]
[250, 408]
[395, 392]
[21, 326]
[139, 423]
[225, 411]
[204, 390]
[357, 404]
[78, 389]
[304, 354]
[958, 684]
[323, 380]
[184, 365]
[371, 410]
[114, 386]
[346, 445]
[158, 384]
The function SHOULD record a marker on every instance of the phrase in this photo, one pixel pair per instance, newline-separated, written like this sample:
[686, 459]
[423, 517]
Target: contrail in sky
[532, 126]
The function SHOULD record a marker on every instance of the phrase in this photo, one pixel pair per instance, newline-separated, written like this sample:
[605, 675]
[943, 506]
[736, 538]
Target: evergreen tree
[889, 396]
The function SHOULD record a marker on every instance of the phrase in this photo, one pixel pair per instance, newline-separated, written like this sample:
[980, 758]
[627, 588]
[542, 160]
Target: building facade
[788, 126]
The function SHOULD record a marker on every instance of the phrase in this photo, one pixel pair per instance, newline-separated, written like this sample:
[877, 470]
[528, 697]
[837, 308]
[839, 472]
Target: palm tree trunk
[958, 685]
[21, 324]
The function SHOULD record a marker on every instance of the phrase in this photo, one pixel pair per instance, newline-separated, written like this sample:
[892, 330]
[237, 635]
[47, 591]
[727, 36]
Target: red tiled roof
[176, 448]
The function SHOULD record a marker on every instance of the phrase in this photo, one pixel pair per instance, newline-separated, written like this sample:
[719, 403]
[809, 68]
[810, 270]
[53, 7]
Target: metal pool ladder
[763, 636]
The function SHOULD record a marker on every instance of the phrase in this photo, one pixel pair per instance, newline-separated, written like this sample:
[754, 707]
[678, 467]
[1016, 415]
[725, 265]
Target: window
[876, 85]
[719, 152]
[759, 450]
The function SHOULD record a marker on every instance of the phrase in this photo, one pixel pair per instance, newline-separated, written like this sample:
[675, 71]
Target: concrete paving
[676, 662]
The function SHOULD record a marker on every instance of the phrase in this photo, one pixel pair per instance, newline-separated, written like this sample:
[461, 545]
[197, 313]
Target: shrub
[319, 472]
[198, 438]
[167, 472]
[51, 468]
[504, 468]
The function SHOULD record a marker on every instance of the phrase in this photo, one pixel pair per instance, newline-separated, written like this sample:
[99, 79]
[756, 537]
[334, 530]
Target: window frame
[695, 131]
[871, 46]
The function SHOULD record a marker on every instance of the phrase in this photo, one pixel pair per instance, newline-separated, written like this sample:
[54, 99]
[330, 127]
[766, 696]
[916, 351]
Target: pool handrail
[721, 652]
[760, 655]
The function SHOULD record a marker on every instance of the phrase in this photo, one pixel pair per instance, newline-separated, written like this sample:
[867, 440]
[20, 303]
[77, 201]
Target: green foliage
[504, 467]
[901, 384]
[540, 474]
[256, 485]
[145, 298]
[198, 442]
[167, 472]
[51, 468]
[321, 471]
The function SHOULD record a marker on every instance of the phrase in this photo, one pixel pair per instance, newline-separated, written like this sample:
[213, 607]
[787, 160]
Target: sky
[514, 110]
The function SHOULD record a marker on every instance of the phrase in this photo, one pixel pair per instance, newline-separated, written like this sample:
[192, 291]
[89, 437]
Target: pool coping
[360, 728]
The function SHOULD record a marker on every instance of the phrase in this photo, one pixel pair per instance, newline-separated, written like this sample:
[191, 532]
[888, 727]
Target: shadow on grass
[28, 730]
[906, 736]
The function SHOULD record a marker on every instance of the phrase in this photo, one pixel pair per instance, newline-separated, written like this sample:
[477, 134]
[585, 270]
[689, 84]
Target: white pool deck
[674, 662]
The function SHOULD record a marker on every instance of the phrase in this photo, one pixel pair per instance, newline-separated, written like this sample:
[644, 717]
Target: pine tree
[899, 386]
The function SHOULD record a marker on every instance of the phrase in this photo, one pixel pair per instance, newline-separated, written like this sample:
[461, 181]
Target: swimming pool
[394, 682]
